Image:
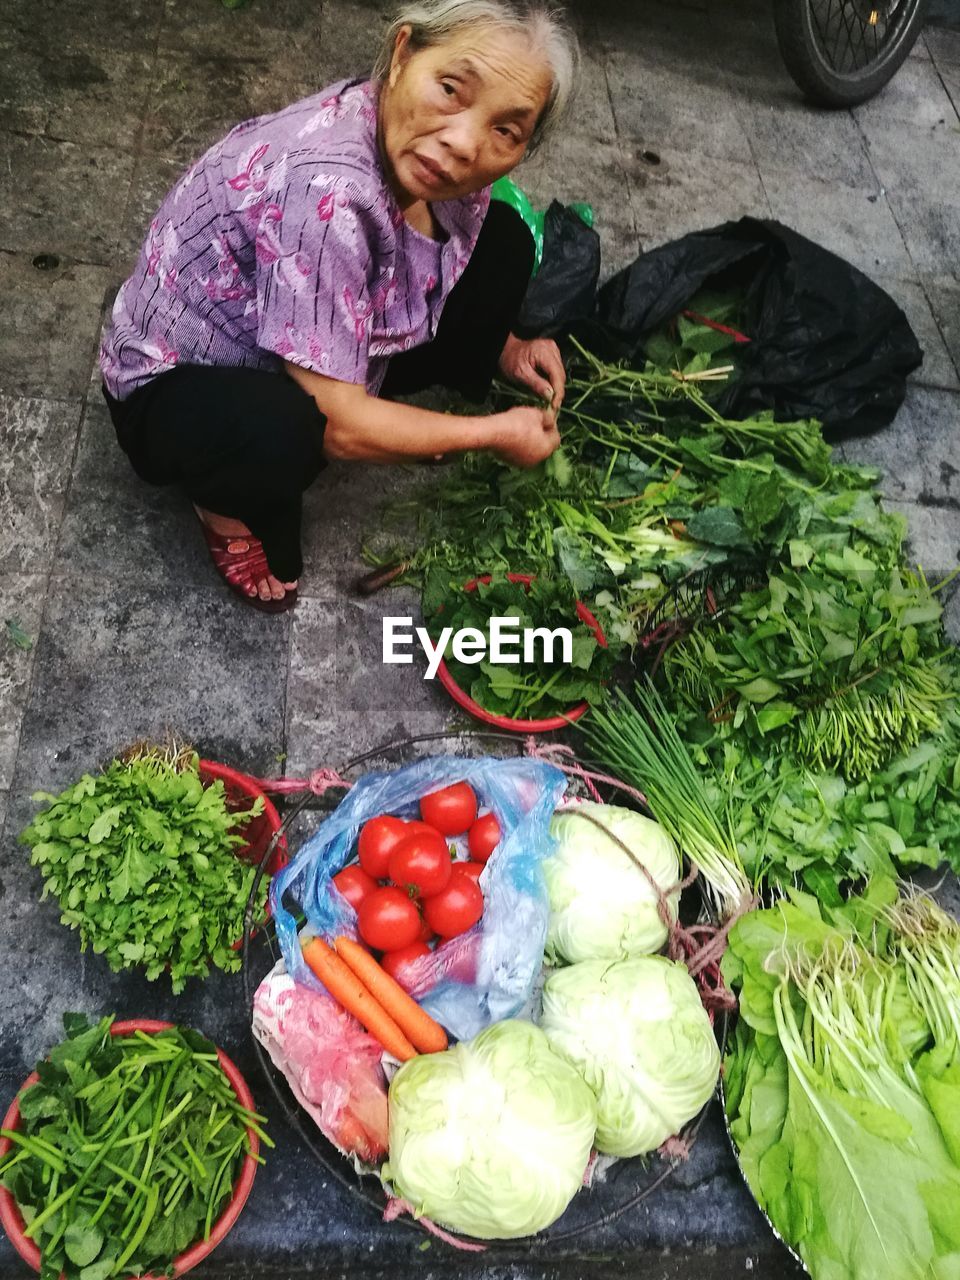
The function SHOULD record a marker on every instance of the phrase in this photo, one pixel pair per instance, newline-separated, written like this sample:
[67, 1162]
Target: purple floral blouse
[284, 242]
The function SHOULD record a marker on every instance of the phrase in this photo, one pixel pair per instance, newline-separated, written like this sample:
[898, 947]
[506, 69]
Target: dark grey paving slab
[655, 107]
[950, 75]
[113, 666]
[213, 30]
[37, 439]
[931, 229]
[915, 160]
[350, 36]
[51, 324]
[62, 197]
[341, 698]
[343, 509]
[855, 223]
[51, 26]
[939, 369]
[592, 110]
[21, 602]
[914, 96]
[917, 166]
[944, 296]
[821, 144]
[75, 94]
[933, 537]
[944, 46]
[119, 527]
[196, 97]
[919, 452]
[687, 190]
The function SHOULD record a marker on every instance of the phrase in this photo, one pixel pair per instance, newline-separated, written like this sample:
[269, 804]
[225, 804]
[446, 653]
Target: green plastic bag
[507, 191]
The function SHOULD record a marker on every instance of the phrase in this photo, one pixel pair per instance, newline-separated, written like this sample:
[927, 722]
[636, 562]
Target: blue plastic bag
[486, 974]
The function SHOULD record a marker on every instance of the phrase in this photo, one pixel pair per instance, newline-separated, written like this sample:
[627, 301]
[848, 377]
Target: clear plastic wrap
[486, 974]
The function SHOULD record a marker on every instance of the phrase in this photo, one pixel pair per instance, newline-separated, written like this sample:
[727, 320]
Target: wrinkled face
[457, 116]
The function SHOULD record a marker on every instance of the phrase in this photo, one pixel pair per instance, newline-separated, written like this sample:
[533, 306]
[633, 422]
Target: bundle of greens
[843, 1083]
[543, 683]
[127, 1152]
[638, 743]
[841, 661]
[798, 825]
[141, 859]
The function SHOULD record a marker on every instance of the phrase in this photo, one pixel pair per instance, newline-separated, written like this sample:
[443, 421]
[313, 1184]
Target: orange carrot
[349, 991]
[415, 1023]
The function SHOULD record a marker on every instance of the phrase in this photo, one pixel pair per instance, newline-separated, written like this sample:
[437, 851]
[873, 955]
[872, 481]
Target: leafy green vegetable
[638, 1033]
[842, 1084]
[638, 741]
[140, 858]
[491, 1137]
[16, 634]
[525, 688]
[128, 1150]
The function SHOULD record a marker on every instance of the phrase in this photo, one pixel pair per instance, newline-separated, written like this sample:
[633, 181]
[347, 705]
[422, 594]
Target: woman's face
[457, 116]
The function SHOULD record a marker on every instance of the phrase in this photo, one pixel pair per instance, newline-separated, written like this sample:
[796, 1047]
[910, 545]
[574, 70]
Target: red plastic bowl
[463, 699]
[240, 791]
[12, 1219]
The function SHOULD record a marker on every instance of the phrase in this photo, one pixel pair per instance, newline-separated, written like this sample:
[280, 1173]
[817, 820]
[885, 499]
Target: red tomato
[472, 869]
[377, 838]
[484, 837]
[426, 934]
[395, 962]
[456, 908]
[414, 825]
[388, 919]
[354, 883]
[421, 864]
[451, 810]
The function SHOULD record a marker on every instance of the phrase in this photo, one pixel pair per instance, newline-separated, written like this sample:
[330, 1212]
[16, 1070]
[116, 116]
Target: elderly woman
[319, 261]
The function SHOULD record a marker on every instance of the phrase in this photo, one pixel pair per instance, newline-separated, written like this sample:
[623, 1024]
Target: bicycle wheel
[841, 52]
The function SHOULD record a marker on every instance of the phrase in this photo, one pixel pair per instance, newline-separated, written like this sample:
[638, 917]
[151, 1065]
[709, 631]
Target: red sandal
[242, 564]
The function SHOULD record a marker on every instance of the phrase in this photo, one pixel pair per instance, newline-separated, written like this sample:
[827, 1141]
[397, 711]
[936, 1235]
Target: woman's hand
[536, 364]
[525, 435]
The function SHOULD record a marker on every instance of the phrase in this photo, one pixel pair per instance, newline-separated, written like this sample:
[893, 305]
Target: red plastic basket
[239, 791]
[12, 1219]
[463, 699]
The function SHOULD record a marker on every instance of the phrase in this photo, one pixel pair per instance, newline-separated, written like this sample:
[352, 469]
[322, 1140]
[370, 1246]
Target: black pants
[246, 443]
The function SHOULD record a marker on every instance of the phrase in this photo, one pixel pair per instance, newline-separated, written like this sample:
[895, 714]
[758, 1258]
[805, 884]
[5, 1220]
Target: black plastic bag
[564, 290]
[825, 341]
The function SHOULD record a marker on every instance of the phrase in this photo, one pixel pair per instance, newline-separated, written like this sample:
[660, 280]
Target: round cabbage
[637, 1032]
[490, 1138]
[602, 906]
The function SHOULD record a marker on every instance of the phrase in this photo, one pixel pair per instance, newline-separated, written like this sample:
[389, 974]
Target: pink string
[396, 1208]
[676, 1148]
[550, 753]
[319, 782]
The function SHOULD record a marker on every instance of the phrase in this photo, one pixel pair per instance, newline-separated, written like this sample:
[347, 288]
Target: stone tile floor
[686, 118]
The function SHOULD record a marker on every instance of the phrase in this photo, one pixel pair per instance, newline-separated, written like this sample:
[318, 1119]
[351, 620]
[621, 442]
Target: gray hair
[432, 22]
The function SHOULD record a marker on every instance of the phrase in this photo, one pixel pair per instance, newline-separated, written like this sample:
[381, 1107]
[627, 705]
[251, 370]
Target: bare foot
[268, 588]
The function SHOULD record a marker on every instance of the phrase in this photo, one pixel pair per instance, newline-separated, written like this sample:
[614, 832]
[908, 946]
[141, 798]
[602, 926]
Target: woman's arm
[361, 428]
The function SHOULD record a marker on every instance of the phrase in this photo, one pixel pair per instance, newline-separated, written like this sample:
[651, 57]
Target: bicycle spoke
[849, 42]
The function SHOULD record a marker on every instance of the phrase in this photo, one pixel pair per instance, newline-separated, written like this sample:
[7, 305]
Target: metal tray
[628, 1182]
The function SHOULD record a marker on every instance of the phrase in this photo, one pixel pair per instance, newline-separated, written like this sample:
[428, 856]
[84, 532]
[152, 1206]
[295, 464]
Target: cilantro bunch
[127, 1151]
[141, 859]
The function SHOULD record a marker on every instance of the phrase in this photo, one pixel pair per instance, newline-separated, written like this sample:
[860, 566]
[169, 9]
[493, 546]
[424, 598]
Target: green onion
[639, 743]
